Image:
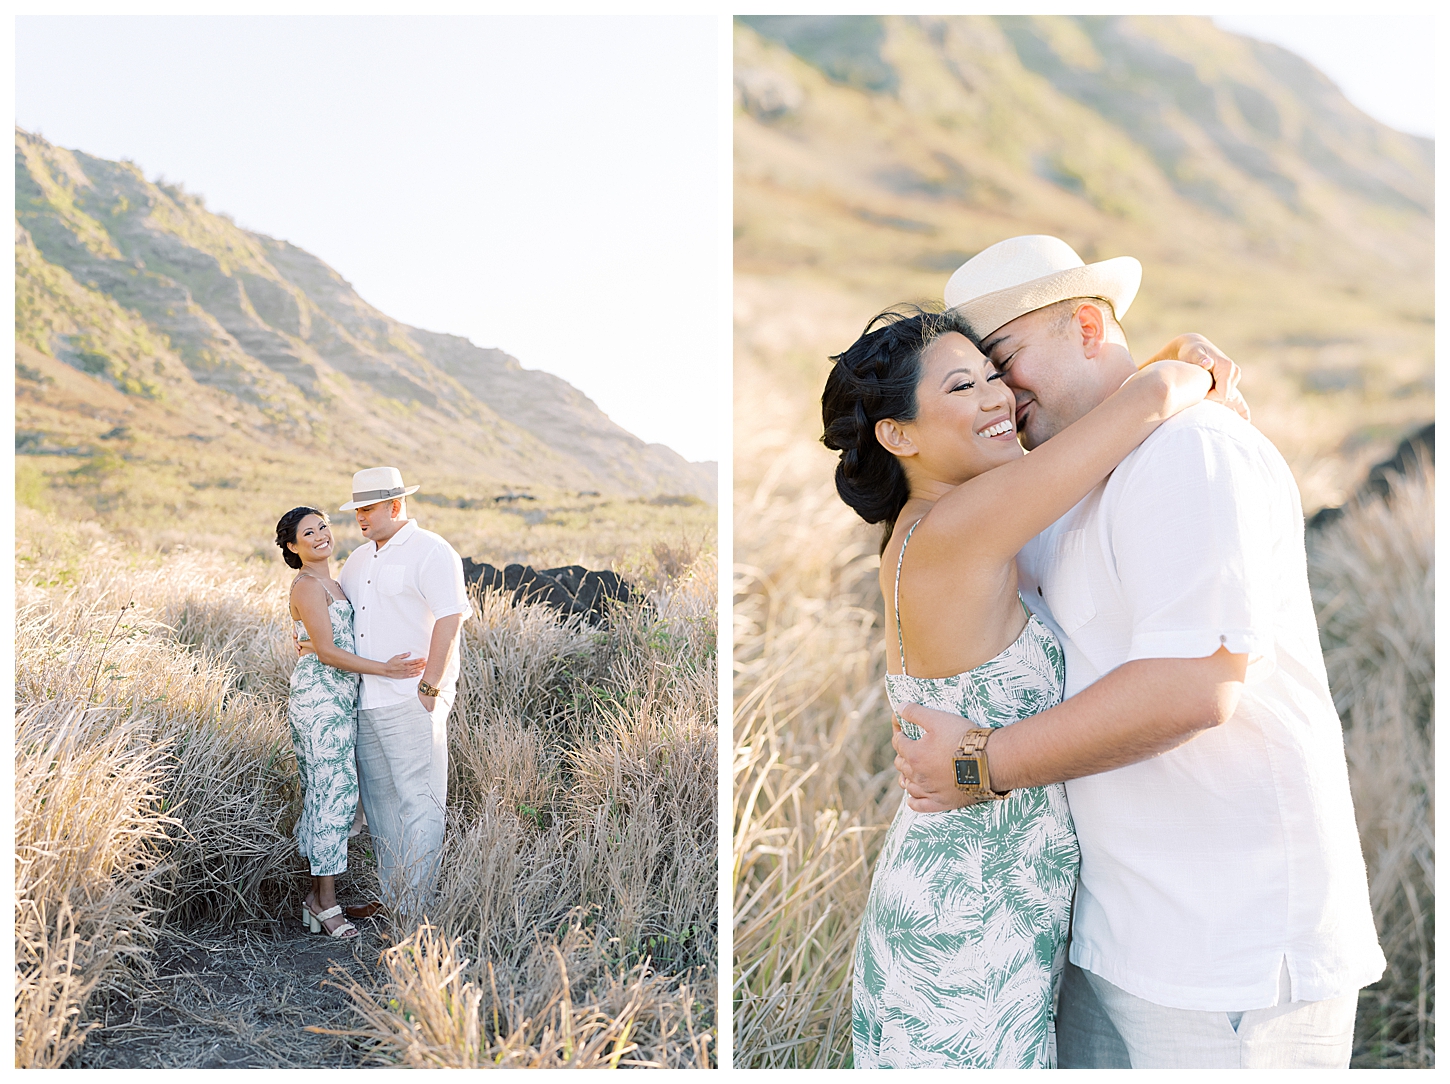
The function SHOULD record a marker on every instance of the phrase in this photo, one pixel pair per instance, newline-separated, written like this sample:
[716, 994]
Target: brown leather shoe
[363, 910]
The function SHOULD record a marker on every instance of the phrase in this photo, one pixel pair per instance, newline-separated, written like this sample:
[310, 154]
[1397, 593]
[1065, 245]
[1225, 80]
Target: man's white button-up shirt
[397, 593]
[1206, 868]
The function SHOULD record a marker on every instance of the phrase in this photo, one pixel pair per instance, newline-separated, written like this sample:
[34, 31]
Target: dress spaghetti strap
[896, 601]
[319, 579]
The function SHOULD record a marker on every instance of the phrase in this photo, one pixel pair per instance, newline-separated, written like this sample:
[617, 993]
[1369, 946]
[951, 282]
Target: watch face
[968, 774]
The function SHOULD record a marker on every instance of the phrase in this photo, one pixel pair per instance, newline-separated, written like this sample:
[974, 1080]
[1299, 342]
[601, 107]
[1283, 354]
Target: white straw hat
[376, 484]
[1023, 274]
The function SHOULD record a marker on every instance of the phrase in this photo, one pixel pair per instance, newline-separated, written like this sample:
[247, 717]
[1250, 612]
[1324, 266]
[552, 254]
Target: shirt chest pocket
[1067, 587]
[392, 579]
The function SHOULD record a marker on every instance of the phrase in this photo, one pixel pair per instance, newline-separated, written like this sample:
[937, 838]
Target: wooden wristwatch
[970, 764]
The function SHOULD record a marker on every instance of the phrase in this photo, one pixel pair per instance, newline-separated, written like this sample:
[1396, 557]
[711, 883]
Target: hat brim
[1115, 281]
[350, 505]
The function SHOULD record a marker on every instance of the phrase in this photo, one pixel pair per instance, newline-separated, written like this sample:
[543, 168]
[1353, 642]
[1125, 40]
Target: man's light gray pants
[1100, 1026]
[402, 756]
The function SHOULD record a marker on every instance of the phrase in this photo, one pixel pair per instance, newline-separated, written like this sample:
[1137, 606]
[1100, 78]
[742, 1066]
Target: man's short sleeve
[440, 581]
[1193, 548]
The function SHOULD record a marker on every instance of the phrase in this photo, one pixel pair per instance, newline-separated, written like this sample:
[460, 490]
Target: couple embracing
[369, 698]
[1156, 863]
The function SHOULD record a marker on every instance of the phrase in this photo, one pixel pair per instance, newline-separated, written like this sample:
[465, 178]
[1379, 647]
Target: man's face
[374, 520]
[1043, 363]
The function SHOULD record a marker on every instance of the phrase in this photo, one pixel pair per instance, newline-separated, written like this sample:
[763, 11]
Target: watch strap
[970, 765]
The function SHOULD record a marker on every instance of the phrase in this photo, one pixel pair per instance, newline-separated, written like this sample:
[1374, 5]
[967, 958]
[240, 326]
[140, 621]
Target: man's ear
[1092, 327]
[892, 436]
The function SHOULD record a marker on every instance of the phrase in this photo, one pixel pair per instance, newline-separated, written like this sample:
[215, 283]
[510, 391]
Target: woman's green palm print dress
[964, 937]
[322, 711]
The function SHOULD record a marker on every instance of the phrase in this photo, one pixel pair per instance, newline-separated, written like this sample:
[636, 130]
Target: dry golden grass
[814, 789]
[184, 655]
[1373, 576]
[156, 790]
[813, 785]
[88, 825]
[431, 1015]
[152, 788]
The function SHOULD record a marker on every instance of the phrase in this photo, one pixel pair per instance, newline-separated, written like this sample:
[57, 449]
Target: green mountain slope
[875, 154]
[209, 332]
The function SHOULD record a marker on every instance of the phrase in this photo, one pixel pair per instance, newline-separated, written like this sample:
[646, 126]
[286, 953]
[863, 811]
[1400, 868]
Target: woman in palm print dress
[963, 939]
[322, 711]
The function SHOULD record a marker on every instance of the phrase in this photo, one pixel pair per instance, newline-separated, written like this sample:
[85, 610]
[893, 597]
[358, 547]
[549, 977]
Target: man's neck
[1115, 364]
[396, 526]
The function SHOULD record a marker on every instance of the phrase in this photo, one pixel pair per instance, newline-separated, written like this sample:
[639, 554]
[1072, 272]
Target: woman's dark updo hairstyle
[287, 531]
[876, 378]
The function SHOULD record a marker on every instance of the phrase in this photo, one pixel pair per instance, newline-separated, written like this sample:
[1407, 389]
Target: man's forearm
[1141, 709]
[440, 647]
[1137, 711]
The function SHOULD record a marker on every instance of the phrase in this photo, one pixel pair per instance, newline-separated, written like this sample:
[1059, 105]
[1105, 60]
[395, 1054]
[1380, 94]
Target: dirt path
[239, 998]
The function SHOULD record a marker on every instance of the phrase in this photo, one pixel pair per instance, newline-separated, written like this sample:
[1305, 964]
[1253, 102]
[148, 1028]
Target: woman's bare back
[959, 608]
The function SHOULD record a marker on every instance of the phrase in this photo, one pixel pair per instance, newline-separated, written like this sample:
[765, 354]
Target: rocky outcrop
[1414, 452]
[570, 589]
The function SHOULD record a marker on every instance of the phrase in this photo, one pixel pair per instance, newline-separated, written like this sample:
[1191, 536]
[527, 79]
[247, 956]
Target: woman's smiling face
[964, 423]
[314, 539]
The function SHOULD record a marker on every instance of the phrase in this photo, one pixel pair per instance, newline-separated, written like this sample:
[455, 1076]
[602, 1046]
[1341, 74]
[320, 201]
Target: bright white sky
[544, 185]
[1383, 61]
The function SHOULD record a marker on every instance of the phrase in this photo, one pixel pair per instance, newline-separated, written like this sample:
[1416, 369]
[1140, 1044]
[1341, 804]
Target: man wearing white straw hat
[408, 595]
[1222, 915]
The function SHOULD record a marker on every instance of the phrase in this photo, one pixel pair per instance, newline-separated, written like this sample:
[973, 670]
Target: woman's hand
[401, 666]
[304, 647]
[1179, 383]
[924, 765]
[1196, 350]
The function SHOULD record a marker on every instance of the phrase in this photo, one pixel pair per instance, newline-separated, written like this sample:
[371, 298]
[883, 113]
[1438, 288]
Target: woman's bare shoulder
[944, 535]
[305, 587]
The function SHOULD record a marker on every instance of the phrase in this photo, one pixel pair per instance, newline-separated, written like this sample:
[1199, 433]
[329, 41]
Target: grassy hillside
[214, 357]
[875, 154]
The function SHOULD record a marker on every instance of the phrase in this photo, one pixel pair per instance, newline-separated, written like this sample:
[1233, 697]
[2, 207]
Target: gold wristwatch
[971, 768]
[426, 689]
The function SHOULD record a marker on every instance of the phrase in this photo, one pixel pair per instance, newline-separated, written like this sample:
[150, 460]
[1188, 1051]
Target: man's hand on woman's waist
[1141, 709]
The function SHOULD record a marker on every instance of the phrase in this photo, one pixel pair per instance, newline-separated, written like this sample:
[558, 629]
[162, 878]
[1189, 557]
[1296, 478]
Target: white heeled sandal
[314, 922]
